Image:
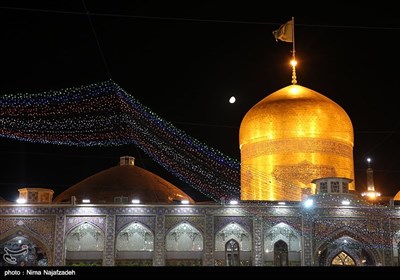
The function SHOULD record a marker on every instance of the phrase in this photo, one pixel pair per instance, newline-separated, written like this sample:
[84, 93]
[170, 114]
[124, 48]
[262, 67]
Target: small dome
[122, 184]
[2, 200]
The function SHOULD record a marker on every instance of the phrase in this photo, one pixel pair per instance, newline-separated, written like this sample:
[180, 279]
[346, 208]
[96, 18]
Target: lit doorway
[232, 253]
[280, 253]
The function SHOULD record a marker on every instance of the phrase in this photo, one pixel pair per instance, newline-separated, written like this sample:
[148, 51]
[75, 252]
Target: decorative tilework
[368, 230]
[294, 222]
[110, 241]
[196, 221]
[307, 229]
[159, 242]
[50, 224]
[245, 222]
[209, 241]
[59, 250]
[124, 220]
[257, 242]
[73, 221]
[41, 228]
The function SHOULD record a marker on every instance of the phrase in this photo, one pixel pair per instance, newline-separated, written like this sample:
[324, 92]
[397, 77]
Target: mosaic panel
[20, 210]
[209, 241]
[232, 211]
[257, 242]
[122, 221]
[245, 222]
[181, 211]
[73, 221]
[294, 222]
[364, 212]
[159, 242]
[196, 221]
[42, 226]
[368, 232]
[59, 243]
[368, 228]
[308, 259]
[133, 211]
[110, 239]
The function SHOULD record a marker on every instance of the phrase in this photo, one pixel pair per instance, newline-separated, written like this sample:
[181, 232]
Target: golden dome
[397, 196]
[124, 181]
[289, 138]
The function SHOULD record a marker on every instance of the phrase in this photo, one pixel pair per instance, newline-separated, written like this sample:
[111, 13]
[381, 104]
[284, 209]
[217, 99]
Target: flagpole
[293, 62]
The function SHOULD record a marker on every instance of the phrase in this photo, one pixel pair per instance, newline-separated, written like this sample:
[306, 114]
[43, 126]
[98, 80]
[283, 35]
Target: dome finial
[294, 63]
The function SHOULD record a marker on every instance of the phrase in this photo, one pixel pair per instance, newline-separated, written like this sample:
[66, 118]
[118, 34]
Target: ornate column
[159, 241]
[257, 241]
[307, 258]
[110, 239]
[59, 245]
[208, 259]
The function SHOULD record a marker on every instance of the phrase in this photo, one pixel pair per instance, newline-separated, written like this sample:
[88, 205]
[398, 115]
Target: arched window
[134, 246]
[232, 250]
[343, 259]
[85, 237]
[84, 245]
[135, 237]
[184, 246]
[280, 253]
[184, 237]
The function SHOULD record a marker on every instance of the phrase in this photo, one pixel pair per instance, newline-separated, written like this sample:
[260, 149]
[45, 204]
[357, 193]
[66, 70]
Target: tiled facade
[369, 235]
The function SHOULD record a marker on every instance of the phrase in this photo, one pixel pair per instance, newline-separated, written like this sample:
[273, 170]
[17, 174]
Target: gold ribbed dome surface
[129, 181]
[289, 138]
[397, 196]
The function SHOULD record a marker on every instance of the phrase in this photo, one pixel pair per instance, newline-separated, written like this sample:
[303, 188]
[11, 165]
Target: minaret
[370, 193]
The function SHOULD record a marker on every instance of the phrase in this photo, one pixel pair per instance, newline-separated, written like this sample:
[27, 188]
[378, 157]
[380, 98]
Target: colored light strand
[103, 114]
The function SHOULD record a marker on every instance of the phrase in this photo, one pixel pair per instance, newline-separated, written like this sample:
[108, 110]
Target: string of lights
[103, 114]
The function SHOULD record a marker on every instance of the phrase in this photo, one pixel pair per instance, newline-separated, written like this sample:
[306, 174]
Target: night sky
[184, 62]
